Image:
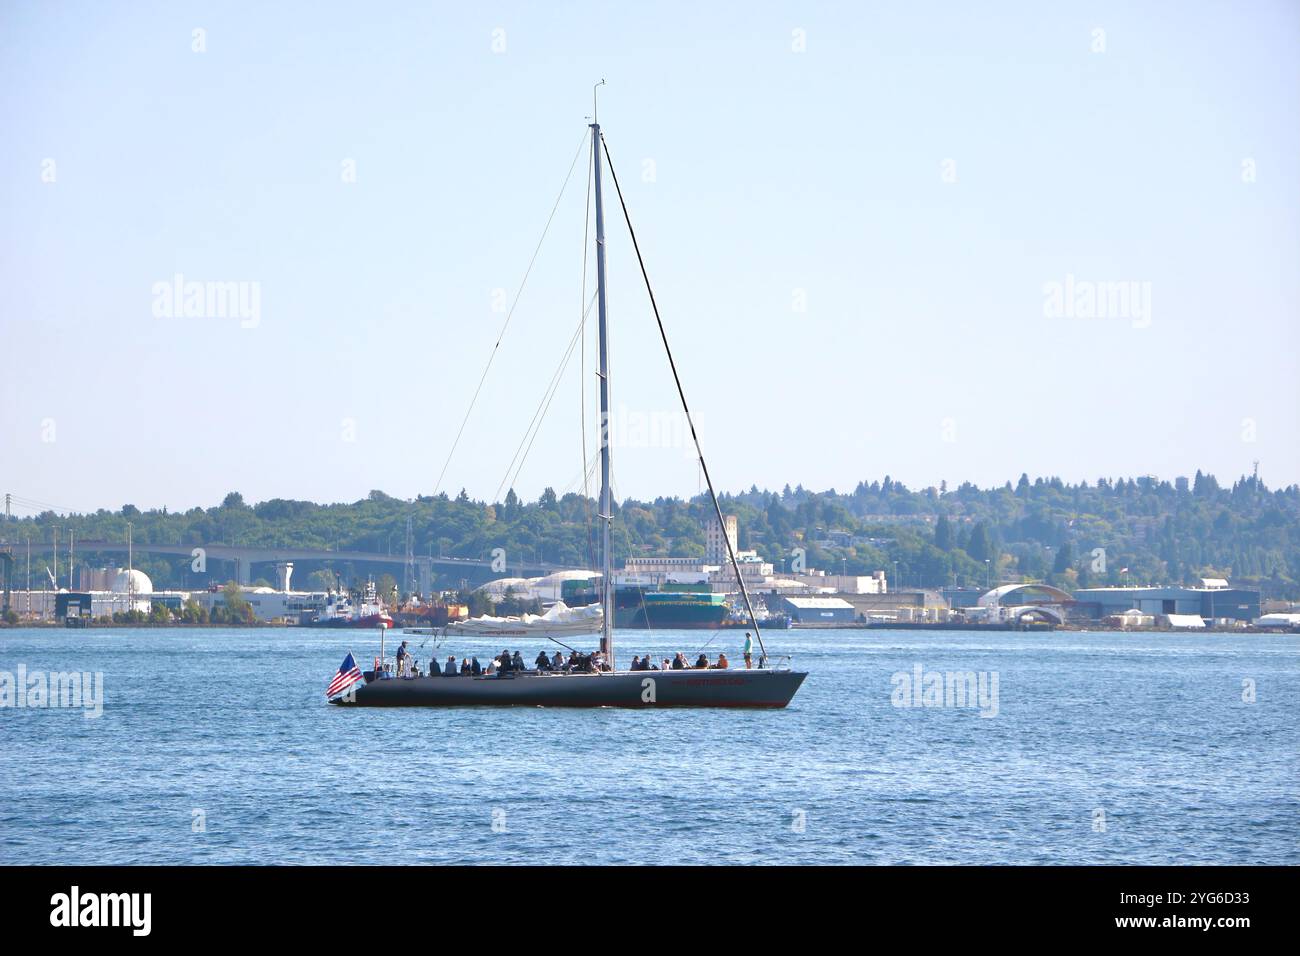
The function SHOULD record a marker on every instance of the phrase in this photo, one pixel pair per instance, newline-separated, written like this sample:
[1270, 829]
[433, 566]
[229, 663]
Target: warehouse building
[817, 610]
[1210, 603]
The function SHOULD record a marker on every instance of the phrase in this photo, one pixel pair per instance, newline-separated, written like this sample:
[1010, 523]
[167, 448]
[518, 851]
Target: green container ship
[664, 606]
[668, 608]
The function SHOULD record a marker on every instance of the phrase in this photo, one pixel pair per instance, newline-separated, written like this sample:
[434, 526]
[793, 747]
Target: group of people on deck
[576, 663]
[679, 663]
[503, 663]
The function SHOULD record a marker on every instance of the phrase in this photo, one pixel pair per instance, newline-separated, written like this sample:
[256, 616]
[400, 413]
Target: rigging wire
[510, 314]
[576, 482]
[538, 429]
[681, 394]
[705, 646]
[543, 406]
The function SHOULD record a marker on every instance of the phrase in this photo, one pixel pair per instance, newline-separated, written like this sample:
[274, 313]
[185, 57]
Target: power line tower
[408, 584]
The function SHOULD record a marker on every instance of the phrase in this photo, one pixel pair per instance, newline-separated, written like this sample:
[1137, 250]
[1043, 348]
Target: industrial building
[904, 607]
[840, 583]
[817, 610]
[125, 591]
[268, 604]
[1210, 603]
[715, 544]
[962, 597]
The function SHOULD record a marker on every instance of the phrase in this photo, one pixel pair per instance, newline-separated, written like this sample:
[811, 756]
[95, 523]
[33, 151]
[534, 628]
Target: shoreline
[902, 626]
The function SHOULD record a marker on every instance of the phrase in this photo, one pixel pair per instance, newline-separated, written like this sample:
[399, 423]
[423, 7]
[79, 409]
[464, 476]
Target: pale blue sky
[924, 351]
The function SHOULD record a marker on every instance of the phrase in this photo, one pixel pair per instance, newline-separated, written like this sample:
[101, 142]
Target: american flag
[348, 675]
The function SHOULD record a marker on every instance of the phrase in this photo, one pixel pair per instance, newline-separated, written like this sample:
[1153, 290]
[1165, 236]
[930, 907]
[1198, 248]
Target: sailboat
[771, 684]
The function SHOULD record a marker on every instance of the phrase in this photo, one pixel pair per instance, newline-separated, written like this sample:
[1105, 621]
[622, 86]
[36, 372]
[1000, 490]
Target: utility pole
[130, 567]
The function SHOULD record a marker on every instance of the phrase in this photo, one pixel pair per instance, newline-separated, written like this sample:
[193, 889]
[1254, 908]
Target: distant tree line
[1072, 535]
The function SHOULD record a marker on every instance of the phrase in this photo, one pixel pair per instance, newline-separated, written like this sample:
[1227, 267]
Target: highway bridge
[243, 559]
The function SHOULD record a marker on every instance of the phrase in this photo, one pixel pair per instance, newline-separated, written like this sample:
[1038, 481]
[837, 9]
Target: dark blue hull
[685, 688]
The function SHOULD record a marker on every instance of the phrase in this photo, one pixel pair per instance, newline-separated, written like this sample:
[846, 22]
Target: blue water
[1150, 730]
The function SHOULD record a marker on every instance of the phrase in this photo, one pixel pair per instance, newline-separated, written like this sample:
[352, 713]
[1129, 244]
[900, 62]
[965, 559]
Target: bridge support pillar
[425, 574]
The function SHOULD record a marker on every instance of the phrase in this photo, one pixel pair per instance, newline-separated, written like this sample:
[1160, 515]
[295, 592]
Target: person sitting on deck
[517, 662]
[722, 662]
[475, 668]
[503, 662]
[543, 663]
[636, 664]
[646, 665]
[667, 665]
[702, 662]
[679, 662]
[557, 662]
[434, 669]
[450, 670]
[491, 668]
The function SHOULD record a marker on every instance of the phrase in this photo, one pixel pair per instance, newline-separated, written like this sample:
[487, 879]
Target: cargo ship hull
[668, 610]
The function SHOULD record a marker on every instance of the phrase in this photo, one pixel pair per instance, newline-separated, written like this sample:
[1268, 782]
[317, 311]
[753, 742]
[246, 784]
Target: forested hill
[1161, 531]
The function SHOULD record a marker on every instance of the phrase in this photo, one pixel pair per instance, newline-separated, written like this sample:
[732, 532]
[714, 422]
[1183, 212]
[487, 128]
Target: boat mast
[606, 497]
